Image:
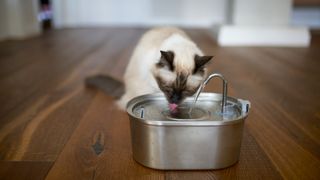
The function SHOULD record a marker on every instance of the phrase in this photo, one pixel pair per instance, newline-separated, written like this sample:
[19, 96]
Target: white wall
[18, 19]
[3, 20]
[74, 13]
[262, 12]
[306, 16]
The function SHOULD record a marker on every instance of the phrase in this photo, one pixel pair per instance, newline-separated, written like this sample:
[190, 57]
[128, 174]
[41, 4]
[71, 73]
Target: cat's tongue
[173, 106]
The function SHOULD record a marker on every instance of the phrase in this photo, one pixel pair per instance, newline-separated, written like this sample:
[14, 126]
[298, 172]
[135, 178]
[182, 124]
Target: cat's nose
[175, 98]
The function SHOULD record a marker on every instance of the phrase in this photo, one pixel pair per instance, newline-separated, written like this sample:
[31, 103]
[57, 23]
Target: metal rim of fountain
[138, 102]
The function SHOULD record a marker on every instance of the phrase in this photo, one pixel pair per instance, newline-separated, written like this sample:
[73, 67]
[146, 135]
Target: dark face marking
[200, 63]
[178, 90]
[166, 60]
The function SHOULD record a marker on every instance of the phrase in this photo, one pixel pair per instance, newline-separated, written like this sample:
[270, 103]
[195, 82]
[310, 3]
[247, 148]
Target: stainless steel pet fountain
[205, 133]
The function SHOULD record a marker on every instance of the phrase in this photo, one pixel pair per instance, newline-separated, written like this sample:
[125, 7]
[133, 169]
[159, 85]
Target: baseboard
[231, 35]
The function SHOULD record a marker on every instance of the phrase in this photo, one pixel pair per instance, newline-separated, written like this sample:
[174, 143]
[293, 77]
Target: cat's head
[178, 80]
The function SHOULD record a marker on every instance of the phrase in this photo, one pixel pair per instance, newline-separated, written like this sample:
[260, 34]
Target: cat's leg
[122, 102]
[134, 87]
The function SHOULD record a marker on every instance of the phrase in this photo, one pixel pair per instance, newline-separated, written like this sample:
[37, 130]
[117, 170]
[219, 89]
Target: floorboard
[28, 170]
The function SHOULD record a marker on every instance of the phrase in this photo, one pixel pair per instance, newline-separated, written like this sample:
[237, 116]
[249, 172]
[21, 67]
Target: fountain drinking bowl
[207, 138]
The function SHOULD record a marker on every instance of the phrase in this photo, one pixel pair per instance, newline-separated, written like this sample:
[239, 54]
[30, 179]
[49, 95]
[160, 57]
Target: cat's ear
[200, 62]
[166, 60]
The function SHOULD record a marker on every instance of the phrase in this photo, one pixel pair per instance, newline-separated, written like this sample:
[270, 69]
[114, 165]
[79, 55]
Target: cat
[165, 60]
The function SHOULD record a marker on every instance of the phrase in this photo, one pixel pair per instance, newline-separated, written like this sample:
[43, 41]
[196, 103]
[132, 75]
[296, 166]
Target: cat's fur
[165, 60]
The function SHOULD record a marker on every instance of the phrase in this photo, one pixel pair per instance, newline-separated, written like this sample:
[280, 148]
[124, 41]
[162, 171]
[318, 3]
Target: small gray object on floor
[107, 84]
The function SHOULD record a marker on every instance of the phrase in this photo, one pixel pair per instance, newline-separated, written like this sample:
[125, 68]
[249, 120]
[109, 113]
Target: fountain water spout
[224, 94]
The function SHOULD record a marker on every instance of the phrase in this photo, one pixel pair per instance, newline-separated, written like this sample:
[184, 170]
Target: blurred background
[52, 126]
[288, 21]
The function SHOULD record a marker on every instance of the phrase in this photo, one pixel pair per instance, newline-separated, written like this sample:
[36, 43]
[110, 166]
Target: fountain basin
[204, 139]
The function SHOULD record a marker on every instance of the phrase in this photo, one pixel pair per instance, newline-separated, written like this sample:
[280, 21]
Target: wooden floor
[50, 123]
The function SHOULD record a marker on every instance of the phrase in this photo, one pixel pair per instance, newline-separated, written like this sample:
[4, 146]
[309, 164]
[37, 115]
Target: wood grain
[36, 170]
[49, 105]
[52, 127]
[109, 129]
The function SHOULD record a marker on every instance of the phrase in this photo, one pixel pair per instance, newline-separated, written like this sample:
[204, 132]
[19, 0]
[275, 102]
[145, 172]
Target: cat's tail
[107, 84]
